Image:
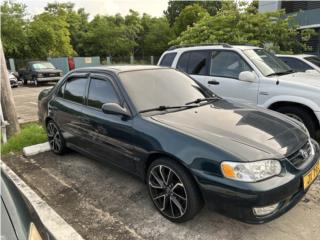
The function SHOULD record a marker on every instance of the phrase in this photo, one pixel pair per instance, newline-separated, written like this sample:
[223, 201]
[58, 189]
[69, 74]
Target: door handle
[213, 82]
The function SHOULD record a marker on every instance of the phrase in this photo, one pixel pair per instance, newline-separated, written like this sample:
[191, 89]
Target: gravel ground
[103, 202]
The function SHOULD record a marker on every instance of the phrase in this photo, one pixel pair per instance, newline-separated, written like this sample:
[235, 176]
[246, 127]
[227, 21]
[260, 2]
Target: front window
[227, 64]
[42, 65]
[165, 87]
[267, 63]
[314, 59]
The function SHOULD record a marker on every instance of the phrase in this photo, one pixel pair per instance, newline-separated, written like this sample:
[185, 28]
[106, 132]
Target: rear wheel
[302, 115]
[173, 190]
[55, 138]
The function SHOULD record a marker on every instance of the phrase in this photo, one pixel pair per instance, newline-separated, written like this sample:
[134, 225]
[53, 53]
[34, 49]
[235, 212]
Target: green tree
[231, 25]
[13, 25]
[157, 34]
[175, 7]
[105, 37]
[188, 16]
[50, 36]
[77, 22]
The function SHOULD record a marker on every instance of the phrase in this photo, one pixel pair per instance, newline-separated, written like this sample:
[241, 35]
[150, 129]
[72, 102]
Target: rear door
[196, 64]
[67, 108]
[109, 136]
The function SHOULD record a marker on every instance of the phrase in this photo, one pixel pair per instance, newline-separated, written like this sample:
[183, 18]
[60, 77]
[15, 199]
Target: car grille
[301, 156]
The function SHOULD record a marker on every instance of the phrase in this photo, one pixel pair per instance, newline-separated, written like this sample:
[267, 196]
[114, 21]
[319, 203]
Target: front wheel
[55, 138]
[302, 115]
[173, 190]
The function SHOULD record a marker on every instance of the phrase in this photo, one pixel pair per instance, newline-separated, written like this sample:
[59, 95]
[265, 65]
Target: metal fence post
[108, 60]
[131, 59]
[152, 60]
[12, 66]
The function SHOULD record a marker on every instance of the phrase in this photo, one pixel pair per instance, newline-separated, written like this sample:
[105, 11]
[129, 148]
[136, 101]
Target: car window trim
[64, 83]
[103, 78]
[224, 50]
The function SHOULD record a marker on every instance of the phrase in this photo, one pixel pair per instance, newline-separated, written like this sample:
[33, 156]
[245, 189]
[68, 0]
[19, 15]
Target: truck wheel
[302, 115]
[35, 82]
[25, 81]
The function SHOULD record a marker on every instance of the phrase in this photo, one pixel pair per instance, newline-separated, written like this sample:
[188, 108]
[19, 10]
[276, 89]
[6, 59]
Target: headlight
[251, 171]
[40, 75]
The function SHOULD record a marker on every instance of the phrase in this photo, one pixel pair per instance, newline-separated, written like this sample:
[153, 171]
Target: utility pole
[7, 102]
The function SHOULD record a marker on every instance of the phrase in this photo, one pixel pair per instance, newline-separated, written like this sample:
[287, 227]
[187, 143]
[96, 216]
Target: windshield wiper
[164, 108]
[199, 100]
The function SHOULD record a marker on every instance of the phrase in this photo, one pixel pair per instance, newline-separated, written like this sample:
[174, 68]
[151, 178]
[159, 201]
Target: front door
[225, 68]
[109, 136]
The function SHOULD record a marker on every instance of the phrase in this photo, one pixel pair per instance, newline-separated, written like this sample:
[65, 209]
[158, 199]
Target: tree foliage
[238, 26]
[13, 29]
[175, 8]
[189, 16]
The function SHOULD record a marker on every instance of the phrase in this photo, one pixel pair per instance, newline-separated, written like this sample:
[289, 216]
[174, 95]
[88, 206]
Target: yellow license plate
[311, 175]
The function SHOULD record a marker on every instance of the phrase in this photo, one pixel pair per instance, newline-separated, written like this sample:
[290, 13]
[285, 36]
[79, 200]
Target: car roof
[32, 62]
[121, 68]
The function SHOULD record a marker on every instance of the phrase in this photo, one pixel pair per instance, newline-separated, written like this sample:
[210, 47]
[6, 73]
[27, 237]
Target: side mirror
[247, 76]
[114, 108]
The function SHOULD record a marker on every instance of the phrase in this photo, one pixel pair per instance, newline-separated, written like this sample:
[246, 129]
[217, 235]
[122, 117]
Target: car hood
[303, 78]
[49, 70]
[239, 129]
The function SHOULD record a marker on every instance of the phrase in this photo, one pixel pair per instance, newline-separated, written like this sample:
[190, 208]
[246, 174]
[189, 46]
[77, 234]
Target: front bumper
[48, 79]
[237, 199]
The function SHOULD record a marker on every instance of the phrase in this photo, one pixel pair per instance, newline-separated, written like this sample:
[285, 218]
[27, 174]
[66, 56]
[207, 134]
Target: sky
[103, 7]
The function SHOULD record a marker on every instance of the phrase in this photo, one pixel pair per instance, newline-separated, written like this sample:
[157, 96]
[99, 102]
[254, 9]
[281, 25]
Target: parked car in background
[19, 221]
[13, 80]
[39, 72]
[302, 63]
[253, 75]
[189, 145]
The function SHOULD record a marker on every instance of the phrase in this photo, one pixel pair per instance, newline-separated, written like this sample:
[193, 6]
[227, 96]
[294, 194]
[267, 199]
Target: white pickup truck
[251, 74]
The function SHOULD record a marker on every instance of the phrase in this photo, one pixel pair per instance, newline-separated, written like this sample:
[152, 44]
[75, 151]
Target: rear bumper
[237, 199]
[48, 79]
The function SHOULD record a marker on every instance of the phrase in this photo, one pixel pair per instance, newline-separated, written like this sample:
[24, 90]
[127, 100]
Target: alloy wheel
[54, 137]
[167, 191]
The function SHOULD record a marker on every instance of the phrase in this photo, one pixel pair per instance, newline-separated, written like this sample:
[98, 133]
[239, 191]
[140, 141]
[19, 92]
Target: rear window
[167, 59]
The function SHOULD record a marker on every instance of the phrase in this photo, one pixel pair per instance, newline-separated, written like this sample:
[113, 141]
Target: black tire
[302, 115]
[25, 81]
[176, 209]
[55, 138]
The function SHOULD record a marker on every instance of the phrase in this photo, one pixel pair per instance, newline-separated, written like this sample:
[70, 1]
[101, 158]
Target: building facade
[306, 14]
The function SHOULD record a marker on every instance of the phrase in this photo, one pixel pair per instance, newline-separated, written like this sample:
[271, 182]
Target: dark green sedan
[190, 146]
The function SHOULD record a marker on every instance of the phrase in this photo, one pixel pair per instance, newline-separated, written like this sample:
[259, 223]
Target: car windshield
[267, 63]
[314, 59]
[43, 65]
[160, 87]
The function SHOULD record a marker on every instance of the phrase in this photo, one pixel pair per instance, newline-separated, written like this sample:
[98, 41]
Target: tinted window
[199, 63]
[100, 92]
[167, 59]
[296, 64]
[162, 87]
[183, 62]
[314, 59]
[75, 88]
[227, 64]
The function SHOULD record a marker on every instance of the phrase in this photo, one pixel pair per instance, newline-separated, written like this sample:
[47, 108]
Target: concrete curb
[35, 149]
[58, 227]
